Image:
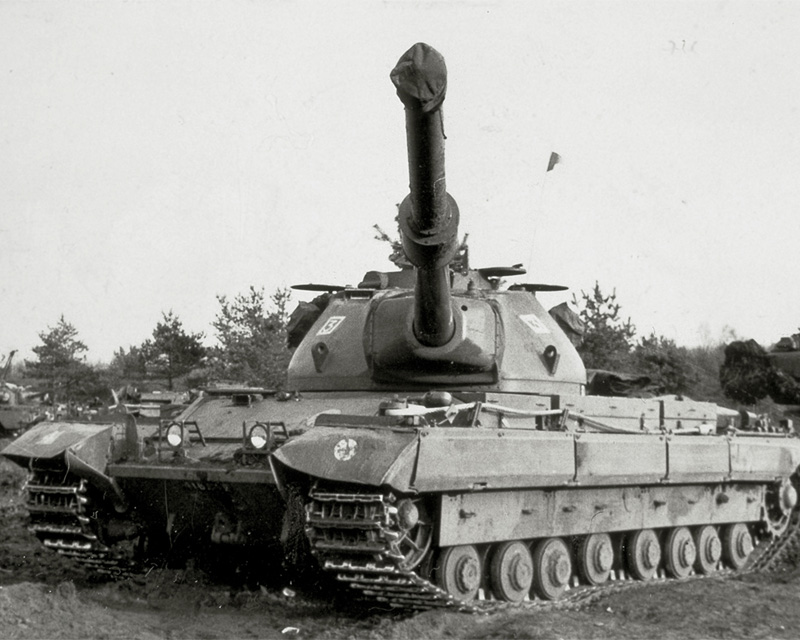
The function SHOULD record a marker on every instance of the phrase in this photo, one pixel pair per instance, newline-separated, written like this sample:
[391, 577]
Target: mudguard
[376, 457]
[90, 442]
[85, 450]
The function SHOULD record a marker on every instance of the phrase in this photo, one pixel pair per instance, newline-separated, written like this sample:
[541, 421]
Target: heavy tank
[121, 496]
[485, 468]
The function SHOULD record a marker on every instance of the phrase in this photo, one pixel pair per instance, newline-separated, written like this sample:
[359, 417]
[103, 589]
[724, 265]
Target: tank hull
[118, 497]
[479, 491]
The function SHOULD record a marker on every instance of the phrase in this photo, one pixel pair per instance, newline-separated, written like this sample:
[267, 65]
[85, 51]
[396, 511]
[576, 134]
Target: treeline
[250, 332]
[610, 342]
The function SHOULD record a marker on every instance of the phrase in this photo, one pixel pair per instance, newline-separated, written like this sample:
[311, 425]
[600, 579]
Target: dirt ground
[44, 596]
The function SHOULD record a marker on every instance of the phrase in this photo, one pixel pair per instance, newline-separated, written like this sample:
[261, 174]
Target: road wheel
[596, 558]
[680, 552]
[643, 554]
[459, 572]
[511, 571]
[737, 544]
[709, 549]
[552, 568]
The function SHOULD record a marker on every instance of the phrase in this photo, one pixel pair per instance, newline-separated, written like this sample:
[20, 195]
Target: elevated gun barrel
[428, 215]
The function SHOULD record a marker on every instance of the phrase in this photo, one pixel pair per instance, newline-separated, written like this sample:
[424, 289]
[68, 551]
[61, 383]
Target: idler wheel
[737, 545]
[709, 549]
[552, 568]
[415, 533]
[459, 572]
[644, 554]
[511, 571]
[596, 558]
[681, 552]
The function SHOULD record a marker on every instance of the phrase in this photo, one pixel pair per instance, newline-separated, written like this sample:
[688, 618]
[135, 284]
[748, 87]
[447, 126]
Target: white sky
[154, 155]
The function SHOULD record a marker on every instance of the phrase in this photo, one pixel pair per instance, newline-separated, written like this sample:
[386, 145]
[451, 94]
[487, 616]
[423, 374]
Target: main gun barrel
[428, 215]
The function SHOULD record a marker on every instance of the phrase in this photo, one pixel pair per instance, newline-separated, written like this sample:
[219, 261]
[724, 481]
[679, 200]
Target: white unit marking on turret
[345, 449]
[534, 323]
[330, 325]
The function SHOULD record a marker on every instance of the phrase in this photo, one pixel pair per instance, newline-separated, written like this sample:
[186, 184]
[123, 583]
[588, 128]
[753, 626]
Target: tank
[151, 407]
[120, 495]
[18, 410]
[486, 469]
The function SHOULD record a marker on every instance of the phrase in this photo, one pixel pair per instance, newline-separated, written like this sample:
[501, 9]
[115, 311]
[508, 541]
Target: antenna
[553, 160]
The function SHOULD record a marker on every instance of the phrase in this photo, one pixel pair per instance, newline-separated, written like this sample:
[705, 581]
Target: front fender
[368, 456]
[84, 449]
[89, 442]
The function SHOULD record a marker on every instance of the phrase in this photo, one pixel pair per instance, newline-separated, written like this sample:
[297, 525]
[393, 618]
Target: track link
[353, 537]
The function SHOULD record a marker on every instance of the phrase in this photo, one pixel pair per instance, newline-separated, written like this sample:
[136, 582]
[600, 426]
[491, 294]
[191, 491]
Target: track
[780, 551]
[61, 510]
[344, 529]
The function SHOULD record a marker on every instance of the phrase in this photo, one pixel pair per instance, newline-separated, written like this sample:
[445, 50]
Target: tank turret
[439, 324]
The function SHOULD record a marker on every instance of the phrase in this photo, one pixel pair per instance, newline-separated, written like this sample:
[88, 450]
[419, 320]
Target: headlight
[259, 436]
[175, 435]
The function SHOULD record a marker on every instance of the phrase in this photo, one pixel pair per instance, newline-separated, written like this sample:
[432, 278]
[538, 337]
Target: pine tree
[172, 352]
[252, 337]
[60, 361]
[607, 339]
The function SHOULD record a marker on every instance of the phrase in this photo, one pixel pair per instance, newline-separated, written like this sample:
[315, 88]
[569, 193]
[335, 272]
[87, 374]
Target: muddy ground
[44, 596]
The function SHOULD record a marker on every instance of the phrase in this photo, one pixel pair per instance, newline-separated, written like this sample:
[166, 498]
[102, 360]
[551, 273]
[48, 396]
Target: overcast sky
[156, 155]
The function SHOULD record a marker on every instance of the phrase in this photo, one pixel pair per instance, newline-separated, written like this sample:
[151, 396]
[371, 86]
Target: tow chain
[385, 583]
